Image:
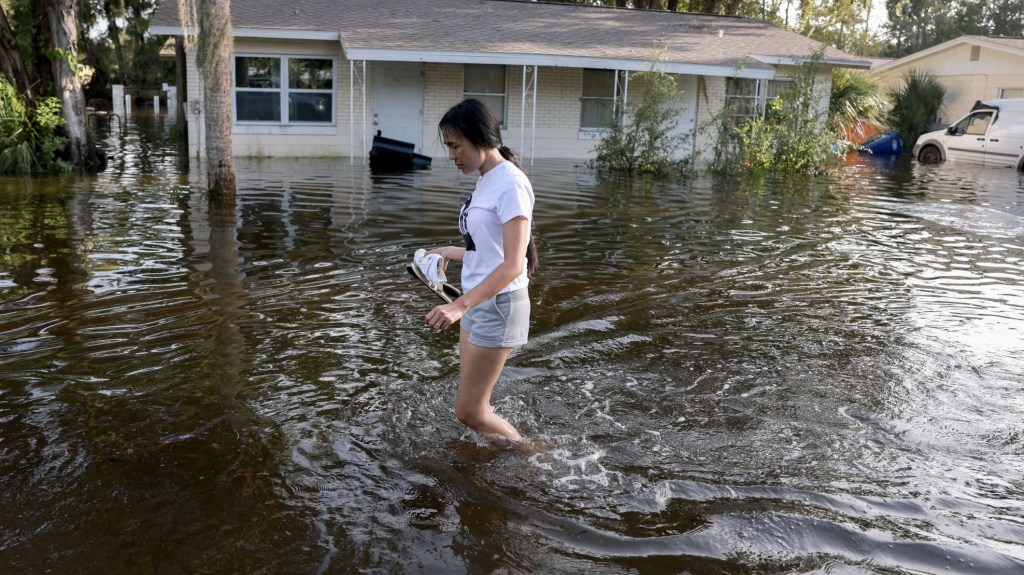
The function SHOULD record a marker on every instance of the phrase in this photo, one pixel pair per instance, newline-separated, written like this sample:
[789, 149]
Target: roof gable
[527, 33]
[1013, 46]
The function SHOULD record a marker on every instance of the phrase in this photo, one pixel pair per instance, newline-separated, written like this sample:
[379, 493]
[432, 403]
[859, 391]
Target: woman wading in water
[497, 261]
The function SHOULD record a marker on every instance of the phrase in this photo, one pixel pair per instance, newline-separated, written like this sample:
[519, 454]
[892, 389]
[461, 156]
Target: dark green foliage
[789, 138]
[916, 105]
[856, 100]
[643, 141]
[28, 140]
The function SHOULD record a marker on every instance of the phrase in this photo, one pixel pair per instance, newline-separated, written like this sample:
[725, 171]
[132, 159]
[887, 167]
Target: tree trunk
[11, 63]
[215, 50]
[64, 36]
[181, 82]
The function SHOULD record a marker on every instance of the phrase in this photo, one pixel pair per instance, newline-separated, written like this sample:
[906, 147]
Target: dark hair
[478, 125]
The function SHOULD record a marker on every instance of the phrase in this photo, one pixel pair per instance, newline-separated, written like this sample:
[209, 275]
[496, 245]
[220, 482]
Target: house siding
[555, 133]
[710, 101]
[966, 81]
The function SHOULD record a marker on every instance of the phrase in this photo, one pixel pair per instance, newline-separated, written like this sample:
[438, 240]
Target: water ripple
[724, 375]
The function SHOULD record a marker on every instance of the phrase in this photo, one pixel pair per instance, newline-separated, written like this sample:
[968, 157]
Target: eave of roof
[526, 33]
[1001, 44]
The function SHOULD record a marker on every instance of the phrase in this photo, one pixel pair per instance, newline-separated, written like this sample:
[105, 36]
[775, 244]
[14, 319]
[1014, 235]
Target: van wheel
[930, 155]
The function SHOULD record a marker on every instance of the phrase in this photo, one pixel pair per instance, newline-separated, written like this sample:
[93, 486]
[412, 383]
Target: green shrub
[789, 137]
[916, 105]
[643, 140]
[28, 137]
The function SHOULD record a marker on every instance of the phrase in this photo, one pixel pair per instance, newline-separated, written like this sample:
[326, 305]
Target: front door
[687, 86]
[398, 101]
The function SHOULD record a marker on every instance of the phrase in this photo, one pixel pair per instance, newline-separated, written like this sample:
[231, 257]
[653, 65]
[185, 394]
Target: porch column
[529, 92]
[356, 88]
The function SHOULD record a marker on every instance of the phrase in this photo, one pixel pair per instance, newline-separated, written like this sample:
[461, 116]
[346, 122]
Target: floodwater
[725, 376]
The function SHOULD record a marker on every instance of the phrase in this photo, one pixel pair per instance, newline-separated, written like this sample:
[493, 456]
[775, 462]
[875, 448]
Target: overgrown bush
[790, 137]
[916, 105]
[28, 136]
[643, 140]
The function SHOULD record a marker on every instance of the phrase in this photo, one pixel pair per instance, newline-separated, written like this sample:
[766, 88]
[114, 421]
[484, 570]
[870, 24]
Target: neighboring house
[318, 78]
[971, 68]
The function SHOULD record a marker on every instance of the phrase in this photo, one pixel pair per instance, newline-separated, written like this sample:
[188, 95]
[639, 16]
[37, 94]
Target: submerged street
[724, 376]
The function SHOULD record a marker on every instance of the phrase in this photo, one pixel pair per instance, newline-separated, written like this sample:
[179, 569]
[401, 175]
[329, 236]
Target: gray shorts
[502, 321]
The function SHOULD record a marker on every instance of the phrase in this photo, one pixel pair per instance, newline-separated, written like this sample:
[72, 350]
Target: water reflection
[726, 375]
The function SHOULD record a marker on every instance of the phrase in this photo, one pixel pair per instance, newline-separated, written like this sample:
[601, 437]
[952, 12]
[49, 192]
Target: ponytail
[532, 260]
[509, 155]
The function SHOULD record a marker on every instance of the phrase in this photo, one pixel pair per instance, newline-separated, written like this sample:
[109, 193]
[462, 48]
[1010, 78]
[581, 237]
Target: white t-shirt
[503, 193]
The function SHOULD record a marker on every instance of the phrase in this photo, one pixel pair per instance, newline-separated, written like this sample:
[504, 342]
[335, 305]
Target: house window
[1011, 92]
[747, 98]
[486, 82]
[284, 90]
[742, 98]
[975, 53]
[597, 108]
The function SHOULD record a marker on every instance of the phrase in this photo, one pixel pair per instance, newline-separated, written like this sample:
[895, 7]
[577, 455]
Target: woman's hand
[448, 253]
[445, 315]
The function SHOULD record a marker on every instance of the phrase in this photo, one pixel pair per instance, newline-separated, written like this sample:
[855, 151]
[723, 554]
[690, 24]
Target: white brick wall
[710, 101]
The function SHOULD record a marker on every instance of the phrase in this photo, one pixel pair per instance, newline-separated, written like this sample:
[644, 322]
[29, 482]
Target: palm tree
[857, 102]
[916, 105]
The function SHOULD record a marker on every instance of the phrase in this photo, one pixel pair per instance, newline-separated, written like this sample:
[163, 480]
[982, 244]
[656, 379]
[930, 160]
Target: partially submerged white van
[992, 135]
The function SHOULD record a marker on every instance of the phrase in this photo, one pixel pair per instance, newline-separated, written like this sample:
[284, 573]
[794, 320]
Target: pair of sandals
[429, 269]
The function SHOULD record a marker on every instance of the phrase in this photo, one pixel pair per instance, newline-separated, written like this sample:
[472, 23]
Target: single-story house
[319, 78]
[971, 68]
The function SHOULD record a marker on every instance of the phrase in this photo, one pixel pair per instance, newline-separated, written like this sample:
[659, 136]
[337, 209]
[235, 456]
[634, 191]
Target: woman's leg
[478, 372]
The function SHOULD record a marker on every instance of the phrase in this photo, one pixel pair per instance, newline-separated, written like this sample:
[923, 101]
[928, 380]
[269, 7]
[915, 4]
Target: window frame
[614, 98]
[762, 89]
[968, 122]
[285, 91]
[484, 96]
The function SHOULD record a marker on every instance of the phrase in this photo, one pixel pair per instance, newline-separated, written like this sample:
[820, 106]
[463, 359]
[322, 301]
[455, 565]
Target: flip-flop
[447, 291]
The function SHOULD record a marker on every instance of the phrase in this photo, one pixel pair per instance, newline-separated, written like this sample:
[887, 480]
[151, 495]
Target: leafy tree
[840, 23]
[1004, 17]
[116, 42]
[45, 36]
[918, 24]
[767, 9]
[12, 64]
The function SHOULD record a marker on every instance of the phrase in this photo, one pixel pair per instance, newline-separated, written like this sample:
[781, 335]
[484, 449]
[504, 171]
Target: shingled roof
[525, 33]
